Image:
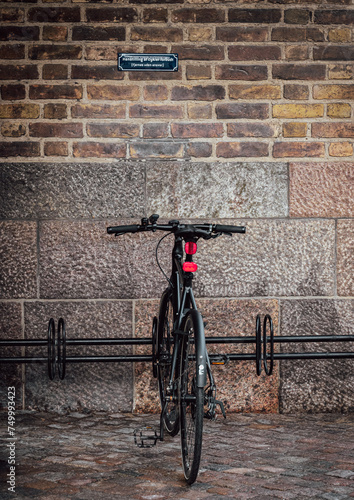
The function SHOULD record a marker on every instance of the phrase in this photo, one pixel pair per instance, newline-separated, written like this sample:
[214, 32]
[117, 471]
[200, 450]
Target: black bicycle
[179, 356]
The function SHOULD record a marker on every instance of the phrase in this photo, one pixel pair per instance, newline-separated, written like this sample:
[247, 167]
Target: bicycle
[180, 359]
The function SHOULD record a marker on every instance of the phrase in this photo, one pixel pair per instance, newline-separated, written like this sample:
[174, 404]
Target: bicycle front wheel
[191, 399]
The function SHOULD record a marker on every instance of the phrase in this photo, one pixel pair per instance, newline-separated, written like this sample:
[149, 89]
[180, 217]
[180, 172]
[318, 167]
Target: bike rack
[263, 356]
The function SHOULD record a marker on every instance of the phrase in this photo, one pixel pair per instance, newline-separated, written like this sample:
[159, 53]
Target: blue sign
[147, 62]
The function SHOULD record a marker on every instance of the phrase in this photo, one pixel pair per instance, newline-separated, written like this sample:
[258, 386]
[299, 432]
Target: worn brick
[297, 52]
[333, 129]
[299, 72]
[56, 149]
[155, 15]
[339, 110]
[158, 76]
[13, 92]
[155, 111]
[92, 149]
[98, 111]
[334, 16]
[19, 110]
[297, 16]
[199, 111]
[15, 72]
[155, 130]
[298, 110]
[294, 129]
[113, 92]
[250, 130]
[27, 149]
[97, 72]
[242, 110]
[294, 91]
[111, 15]
[334, 53]
[321, 189]
[268, 91]
[98, 33]
[340, 149]
[195, 130]
[54, 14]
[55, 33]
[43, 129]
[13, 51]
[198, 72]
[200, 34]
[199, 53]
[345, 252]
[155, 49]
[330, 91]
[238, 149]
[298, 149]
[241, 72]
[257, 16]
[22, 33]
[55, 72]
[155, 93]
[341, 71]
[198, 93]
[13, 129]
[55, 111]
[205, 15]
[12, 15]
[55, 52]
[123, 130]
[106, 52]
[157, 34]
[286, 34]
[199, 149]
[238, 34]
[340, 35]
[55, 92]
[254, 53]
[156, 149]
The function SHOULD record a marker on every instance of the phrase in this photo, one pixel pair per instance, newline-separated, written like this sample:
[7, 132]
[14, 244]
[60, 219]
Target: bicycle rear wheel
[191, 400]
[165, 346]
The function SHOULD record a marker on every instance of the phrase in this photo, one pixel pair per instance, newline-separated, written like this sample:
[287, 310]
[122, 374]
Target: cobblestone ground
[247, 456]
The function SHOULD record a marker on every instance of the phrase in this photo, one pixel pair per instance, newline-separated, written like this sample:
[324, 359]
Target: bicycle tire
[191, 400]
[170, 411]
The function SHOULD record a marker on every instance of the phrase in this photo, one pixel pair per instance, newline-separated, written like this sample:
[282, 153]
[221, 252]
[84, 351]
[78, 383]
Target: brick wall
[256, 80]
[257, 128]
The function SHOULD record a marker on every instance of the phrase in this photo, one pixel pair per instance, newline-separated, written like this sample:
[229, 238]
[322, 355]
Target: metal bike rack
[264, 355]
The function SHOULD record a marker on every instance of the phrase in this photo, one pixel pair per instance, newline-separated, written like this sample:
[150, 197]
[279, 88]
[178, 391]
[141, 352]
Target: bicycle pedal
[146, 437]
[222, 359]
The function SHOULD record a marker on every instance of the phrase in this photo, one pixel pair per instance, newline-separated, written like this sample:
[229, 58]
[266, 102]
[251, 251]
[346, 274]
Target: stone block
[238, 386]
[47, 190]
[321, 189]
[94, 386]
[345, 258]
[229, 190]
[18, 264]
[80, 260]
[317, 385]
[10, 374]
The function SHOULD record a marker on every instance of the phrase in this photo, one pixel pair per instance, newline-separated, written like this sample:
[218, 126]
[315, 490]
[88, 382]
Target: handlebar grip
[219, 228]
[123, 229]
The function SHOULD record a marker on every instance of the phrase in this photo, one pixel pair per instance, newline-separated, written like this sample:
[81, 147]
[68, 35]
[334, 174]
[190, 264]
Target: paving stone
[321, 189]
[101, 386]
[78, 190]
[18, 263]
[317, 385]
[229, 189]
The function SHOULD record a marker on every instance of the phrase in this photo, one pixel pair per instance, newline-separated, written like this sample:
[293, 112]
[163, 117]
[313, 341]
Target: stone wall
[255, 128]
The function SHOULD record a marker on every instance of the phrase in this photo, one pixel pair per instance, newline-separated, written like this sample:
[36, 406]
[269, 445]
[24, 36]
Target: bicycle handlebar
[199, 230]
